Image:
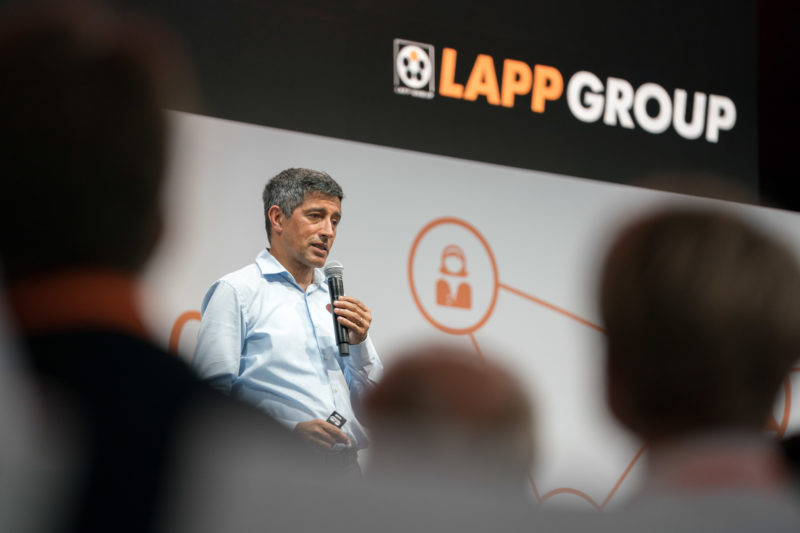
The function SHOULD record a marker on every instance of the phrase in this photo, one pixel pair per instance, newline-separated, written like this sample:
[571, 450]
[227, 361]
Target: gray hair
[289, 188]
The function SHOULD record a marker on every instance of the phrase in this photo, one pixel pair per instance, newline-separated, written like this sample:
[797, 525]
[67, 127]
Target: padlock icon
[454, 264]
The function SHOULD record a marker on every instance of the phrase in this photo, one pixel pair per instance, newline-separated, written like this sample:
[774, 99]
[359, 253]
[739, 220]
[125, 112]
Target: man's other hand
[321, 433]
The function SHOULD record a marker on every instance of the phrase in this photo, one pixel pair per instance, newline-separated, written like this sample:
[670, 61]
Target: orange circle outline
[429, 226]
[177, 329]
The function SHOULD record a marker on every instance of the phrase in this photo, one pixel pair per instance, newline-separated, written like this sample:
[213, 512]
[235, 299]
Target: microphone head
[333, 269]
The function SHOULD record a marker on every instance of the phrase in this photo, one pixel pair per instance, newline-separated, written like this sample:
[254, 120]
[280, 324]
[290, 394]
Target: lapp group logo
[414, 68]
[615, 101]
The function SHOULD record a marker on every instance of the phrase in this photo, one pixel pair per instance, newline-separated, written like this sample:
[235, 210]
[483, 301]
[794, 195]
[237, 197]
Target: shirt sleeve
[363, 368]
[220, 340]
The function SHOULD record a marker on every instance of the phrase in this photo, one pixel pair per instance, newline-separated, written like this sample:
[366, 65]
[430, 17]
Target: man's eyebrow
[317, 209]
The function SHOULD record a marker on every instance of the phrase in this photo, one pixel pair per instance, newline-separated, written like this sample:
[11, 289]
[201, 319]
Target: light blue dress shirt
[266, 341]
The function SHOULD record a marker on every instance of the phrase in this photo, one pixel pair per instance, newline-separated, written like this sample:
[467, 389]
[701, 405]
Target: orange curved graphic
[787, 407]
[177, 328]
[772, 423]
[576, 492]
[581, 494]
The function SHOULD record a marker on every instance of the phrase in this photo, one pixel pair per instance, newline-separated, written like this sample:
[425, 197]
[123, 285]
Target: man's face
[309, 233]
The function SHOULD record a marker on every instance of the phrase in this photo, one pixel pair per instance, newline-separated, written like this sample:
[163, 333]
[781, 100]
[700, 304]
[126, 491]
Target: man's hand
[354, 315]
[321, 433]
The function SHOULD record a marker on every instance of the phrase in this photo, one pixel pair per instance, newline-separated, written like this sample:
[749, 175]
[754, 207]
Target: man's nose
[328, 228]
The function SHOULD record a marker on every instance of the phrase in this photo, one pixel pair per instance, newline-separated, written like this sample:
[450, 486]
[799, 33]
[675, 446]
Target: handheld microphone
[333, 271]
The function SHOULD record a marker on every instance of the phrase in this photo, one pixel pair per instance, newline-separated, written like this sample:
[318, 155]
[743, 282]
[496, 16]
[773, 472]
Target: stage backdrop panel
[501, 261]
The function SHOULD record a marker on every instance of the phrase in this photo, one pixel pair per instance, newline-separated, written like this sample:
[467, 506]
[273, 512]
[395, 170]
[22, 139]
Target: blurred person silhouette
[84, 136]
[702, 313]
[443, 420]
[37, 451]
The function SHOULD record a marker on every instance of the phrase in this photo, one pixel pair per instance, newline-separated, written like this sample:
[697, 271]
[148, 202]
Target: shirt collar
[271, 266]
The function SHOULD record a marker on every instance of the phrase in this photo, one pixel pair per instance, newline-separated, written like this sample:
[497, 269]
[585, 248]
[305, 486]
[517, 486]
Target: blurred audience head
[442, 412]
[702, 313]
[83, 133]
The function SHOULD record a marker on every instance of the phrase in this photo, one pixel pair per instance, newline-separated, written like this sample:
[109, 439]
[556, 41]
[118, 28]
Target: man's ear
[276, 219]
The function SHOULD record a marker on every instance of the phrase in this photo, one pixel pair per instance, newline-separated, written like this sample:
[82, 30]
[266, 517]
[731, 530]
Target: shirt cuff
[363, 356]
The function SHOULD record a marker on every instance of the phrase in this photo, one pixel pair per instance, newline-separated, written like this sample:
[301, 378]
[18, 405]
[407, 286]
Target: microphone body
[333, 271]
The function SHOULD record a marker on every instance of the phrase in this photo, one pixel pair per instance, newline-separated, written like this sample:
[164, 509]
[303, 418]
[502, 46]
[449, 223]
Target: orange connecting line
[477, 348]
[552, 307]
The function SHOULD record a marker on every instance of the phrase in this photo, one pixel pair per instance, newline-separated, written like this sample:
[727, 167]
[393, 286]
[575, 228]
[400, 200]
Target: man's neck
[303, 274]
[94, 298]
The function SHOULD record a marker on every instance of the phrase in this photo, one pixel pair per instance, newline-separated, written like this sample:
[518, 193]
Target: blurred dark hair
[702, 313]
[82, 138]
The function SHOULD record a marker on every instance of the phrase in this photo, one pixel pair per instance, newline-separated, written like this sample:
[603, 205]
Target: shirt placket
[325, 359]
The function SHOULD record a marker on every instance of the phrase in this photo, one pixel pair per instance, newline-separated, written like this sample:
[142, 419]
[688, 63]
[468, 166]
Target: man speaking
[267, 335]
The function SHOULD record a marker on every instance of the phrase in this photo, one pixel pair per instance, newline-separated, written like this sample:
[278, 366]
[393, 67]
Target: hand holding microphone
[351, 318]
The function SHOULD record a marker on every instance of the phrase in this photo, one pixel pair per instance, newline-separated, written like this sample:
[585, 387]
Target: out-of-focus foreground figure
[702, 313]
[38, 459]
[82, 155]
[444, 420]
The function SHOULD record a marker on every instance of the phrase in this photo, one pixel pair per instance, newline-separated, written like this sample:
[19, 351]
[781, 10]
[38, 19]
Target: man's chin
[317, 261]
